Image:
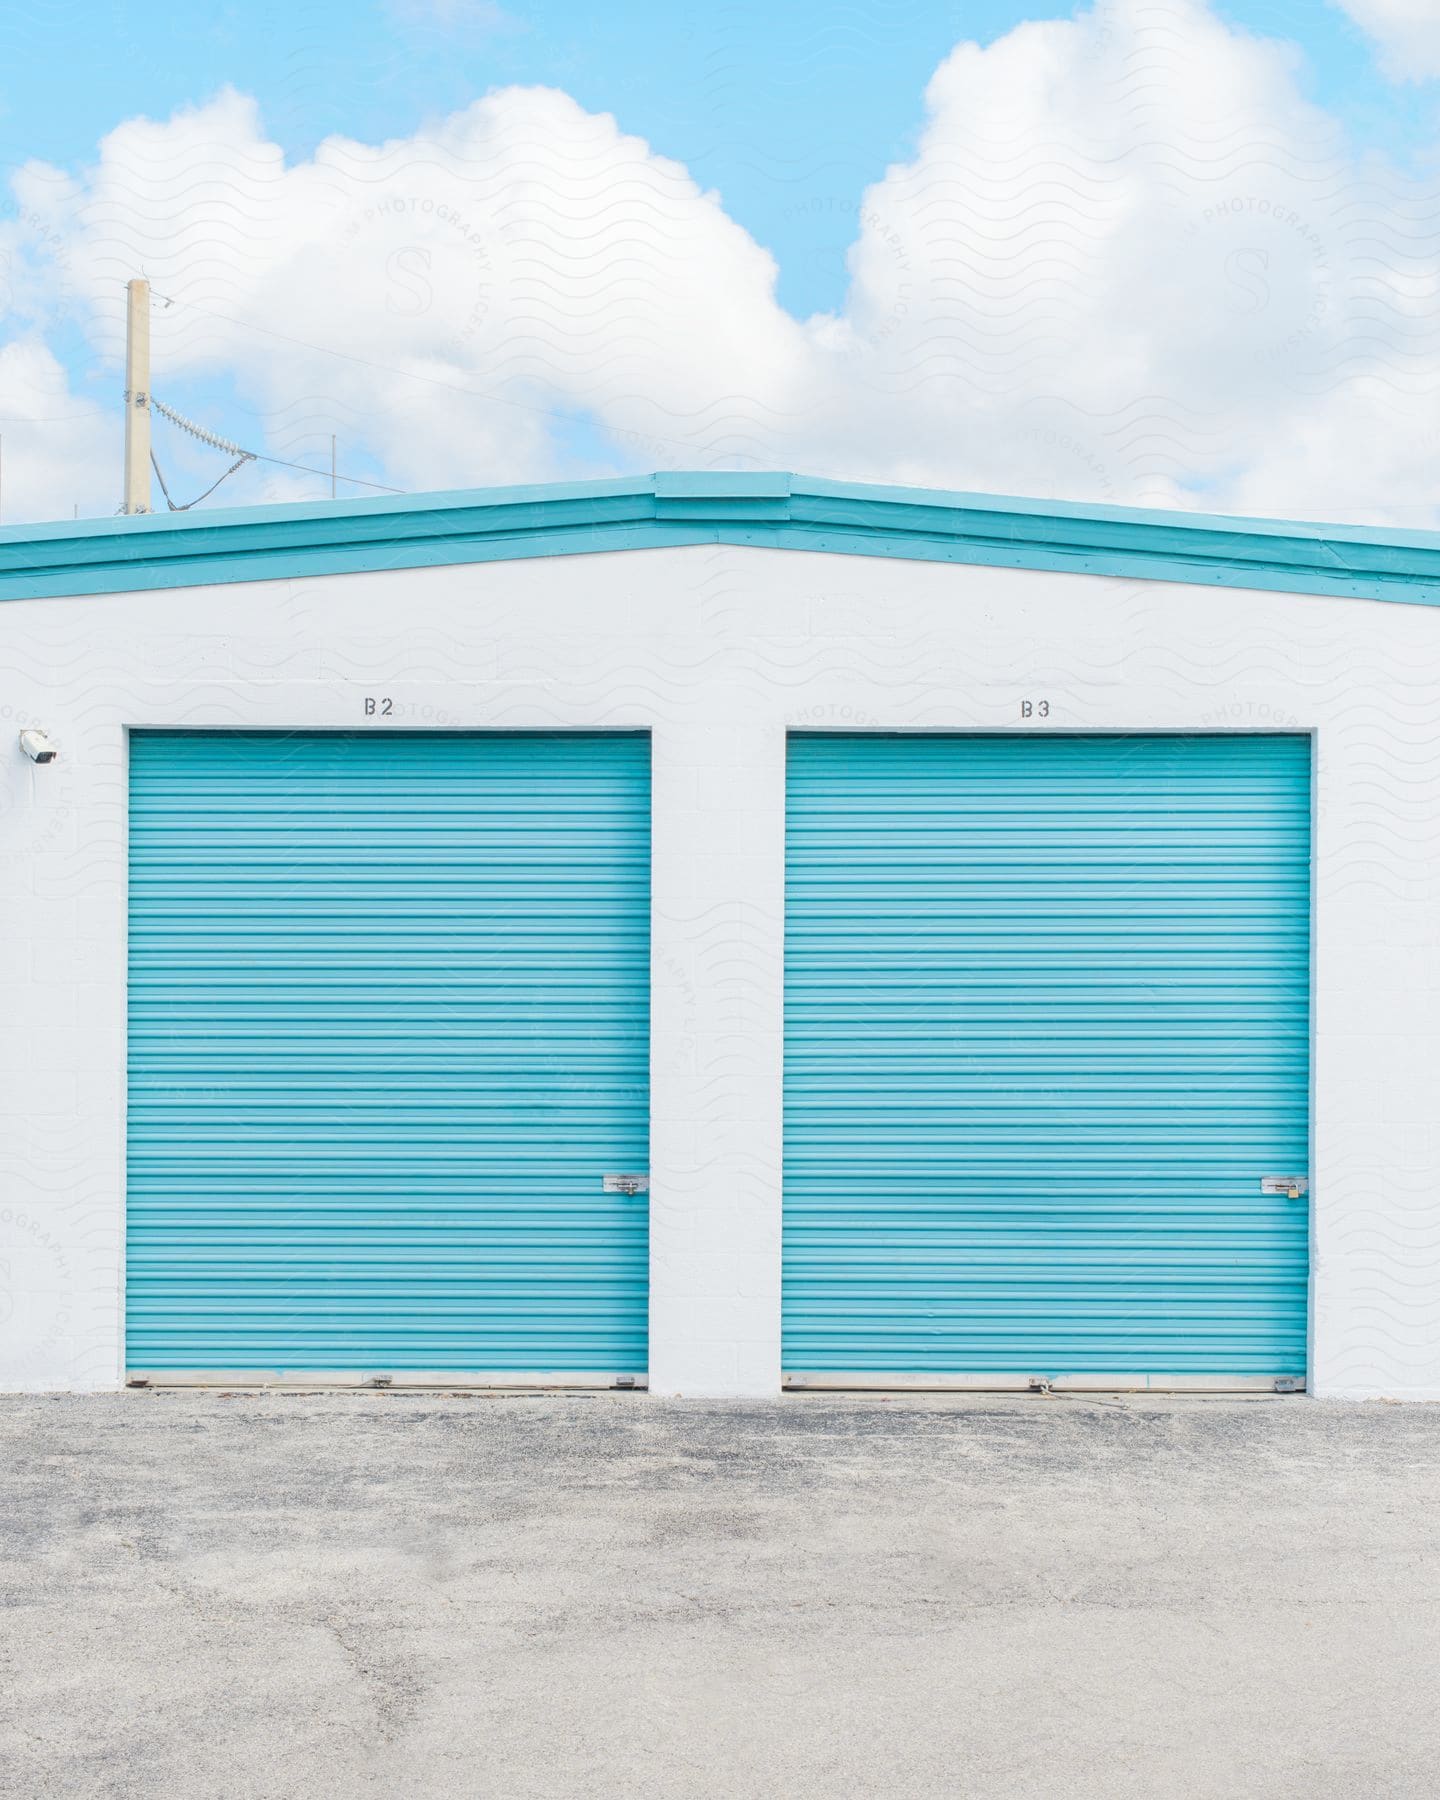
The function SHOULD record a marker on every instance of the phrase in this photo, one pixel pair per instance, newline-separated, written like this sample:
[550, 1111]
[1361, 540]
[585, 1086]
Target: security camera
[37, 746]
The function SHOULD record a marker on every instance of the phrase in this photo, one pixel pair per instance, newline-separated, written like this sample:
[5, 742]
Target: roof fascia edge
[759, 508]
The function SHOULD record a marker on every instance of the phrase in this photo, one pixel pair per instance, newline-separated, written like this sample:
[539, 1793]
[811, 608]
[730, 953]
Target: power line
[96, 412]
[365, 362]
[174, 505]
[305, 468]
[89, 412]
[218, 443]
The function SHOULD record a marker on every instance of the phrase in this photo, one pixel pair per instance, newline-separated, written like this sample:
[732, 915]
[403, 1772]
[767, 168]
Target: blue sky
[788, 108]
[1193, 355]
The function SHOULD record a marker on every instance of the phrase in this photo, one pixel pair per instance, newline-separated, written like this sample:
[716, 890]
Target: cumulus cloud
[1127, 262]
[455, 300]
[58, 449]
[1406, 31]
[1131, 262]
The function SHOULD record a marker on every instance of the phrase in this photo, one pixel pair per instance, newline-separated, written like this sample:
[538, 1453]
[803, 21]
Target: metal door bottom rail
[886, 1382]
[388, 1380]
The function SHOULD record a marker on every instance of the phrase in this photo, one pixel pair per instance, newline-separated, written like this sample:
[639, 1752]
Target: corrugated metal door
[389, 1001]
[1047, 1029]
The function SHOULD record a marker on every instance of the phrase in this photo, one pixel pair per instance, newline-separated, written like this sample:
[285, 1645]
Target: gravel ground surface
[409, 1595]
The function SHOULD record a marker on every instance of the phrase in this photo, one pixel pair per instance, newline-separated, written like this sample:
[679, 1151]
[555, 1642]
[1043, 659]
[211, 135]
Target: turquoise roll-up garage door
[1046, 1049]
[389, 1002]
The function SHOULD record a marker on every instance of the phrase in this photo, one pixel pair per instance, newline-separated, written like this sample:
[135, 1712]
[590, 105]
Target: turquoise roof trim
[785, 512]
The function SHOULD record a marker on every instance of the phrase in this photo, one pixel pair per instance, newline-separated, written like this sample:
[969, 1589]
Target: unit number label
[378, 706]
[1034, 709]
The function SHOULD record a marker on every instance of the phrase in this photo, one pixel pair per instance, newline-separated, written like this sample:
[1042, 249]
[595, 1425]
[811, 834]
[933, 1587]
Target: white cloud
[1406, 31]
[58, 450]
[522, 248]
[1131, 262]
[1128, 262]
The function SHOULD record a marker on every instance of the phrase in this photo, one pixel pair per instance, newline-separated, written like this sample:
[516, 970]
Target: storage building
[720, 932]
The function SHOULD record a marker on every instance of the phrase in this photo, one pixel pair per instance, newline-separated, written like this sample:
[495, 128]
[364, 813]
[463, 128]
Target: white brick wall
[718, 651]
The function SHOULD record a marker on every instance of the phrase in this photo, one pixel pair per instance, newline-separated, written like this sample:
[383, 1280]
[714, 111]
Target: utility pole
[137, 397]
